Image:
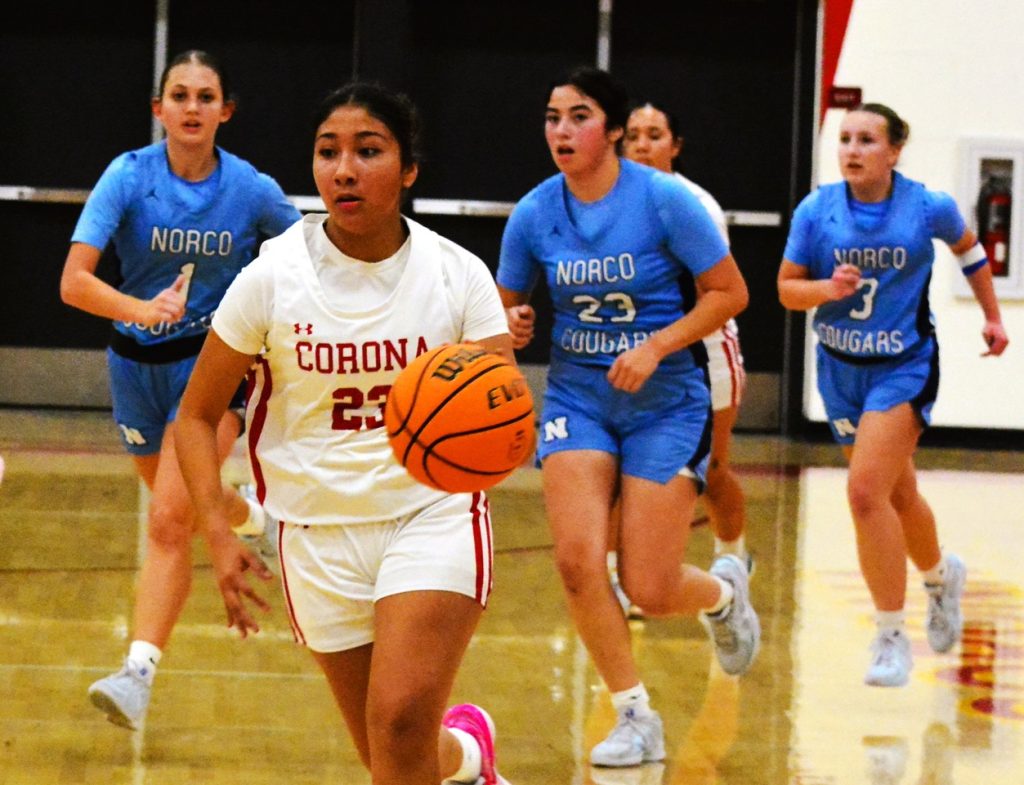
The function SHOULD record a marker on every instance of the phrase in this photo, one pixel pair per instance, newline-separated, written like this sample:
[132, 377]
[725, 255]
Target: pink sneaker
[478, 724]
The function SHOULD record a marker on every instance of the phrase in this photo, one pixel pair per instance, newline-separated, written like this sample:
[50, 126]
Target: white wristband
[972, 256]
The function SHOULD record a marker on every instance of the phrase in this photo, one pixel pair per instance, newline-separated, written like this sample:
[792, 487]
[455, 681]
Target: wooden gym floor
[256, 711]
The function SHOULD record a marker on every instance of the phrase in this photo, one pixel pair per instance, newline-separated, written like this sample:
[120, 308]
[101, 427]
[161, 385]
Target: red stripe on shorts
[730, 346]
[259, 419]
[478, 546]
[296, 629]
[490, 548]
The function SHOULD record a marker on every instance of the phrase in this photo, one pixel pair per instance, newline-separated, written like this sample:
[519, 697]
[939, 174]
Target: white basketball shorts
[725, 367]
[333, 574]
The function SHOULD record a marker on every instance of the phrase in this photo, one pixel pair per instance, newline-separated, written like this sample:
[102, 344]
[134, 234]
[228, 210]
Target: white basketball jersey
[317, 443]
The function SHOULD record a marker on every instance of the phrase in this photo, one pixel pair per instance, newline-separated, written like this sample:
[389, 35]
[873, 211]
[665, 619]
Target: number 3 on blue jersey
[871, 285]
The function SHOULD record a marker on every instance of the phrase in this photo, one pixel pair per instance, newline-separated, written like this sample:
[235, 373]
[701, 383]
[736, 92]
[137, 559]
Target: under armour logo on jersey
[556, 429]
[555, 232]
[303, 329]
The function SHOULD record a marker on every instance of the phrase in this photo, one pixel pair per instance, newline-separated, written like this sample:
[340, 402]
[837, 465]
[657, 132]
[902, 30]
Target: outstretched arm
[214, 380]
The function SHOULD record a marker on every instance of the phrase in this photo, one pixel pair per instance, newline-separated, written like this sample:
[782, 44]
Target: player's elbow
[787, 297]
[68, 290]
[740, 298]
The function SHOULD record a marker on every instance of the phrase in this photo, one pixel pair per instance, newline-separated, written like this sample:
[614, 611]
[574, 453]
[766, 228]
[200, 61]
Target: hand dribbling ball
[460, 418]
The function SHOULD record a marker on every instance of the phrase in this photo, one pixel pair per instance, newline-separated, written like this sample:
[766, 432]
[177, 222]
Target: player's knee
[578, 571]
[170, 526]
[650, 589]
[865, 500]
[653, 599]
[402, 727]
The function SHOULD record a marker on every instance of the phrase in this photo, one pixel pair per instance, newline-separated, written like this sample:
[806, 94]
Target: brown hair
[897, 129]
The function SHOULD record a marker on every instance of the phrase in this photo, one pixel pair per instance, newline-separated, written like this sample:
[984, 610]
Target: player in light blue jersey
[627, 408]
[860, 252]
[184, 216]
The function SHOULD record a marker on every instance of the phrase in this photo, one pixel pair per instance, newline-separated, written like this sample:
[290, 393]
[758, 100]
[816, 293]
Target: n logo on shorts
[132, 435]
[555, 429]
[844, 427]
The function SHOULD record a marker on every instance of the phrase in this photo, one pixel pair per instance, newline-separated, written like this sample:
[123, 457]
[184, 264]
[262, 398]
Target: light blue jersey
[612, 266]
[162, 226]
[615, 269]
[889, 314]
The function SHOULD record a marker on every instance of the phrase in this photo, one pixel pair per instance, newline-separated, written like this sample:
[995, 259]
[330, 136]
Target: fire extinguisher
[994, 223]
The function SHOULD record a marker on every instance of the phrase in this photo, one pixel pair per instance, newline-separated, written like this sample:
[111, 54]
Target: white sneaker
[748, 560]
[124, 695]
[945, 620]
[890, 660]
[259, 531]
[633, 740]
[736, 630]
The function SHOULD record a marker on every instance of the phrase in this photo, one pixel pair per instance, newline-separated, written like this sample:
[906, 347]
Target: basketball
[460, 418]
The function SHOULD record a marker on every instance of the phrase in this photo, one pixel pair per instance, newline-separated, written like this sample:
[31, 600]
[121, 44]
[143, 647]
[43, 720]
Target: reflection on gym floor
[257, 711]
[961, 718]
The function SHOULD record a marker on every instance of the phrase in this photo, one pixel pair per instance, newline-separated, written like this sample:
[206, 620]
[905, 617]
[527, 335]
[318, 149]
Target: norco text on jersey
[870, 258]
[585, 271]
[190, 242]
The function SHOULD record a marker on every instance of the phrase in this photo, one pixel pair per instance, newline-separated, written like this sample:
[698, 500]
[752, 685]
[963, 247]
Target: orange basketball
[459, 418]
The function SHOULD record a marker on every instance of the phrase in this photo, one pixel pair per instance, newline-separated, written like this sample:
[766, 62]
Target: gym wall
[955, 80]
[739, 72]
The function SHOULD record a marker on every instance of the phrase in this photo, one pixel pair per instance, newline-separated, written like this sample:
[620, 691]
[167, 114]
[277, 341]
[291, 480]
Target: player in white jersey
[653, 138]
[385, 579]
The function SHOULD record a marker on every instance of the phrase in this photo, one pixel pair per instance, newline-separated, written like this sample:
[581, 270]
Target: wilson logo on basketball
[456, 363]
[460, 418]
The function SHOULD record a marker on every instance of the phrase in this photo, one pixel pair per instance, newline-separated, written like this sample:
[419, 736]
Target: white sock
[737, 547]
[612, 560]
[890, 620]
[145, 656]
[724, 599]
[469, 769]
[936, 576]
[634, 699]
[253, 523]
